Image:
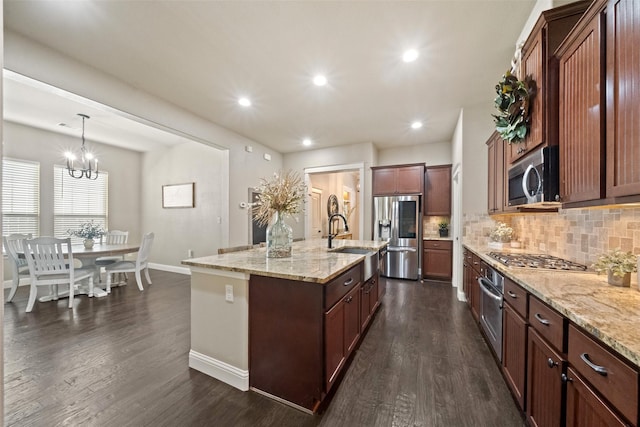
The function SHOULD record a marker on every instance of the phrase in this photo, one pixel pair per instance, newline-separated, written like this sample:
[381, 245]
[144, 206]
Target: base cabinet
[437, 259]
[514, 352]
[544, 375]
[584, 407]
[369, 300]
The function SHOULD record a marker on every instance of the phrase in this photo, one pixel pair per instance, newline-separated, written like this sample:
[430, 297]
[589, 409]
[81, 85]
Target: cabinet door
[544, 379]
[623, 89]
[374, 300]
[495, 172]
[437, 264]
[581, 118]
[351, 319]
[437, 190]
[409, 179]
[514, 354]
[585, 408]
[474, 288]
[533, 55]
[334, 342]
[383, 181]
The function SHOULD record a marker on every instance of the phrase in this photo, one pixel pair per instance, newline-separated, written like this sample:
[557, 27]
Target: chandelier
[87, 166]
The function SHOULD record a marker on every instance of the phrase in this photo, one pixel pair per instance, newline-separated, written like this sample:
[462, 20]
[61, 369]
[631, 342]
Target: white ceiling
[203, 55]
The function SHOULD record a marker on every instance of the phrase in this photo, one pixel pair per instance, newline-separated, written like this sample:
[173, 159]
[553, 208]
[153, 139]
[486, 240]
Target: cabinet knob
[348, 300]
[566, 379]
[520, 150]
[551, 363]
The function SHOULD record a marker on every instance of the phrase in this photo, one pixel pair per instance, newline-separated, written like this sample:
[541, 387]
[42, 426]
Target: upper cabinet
[400, 179]
[496, 190]
[437, 189]
[599, 109]
[539, 64]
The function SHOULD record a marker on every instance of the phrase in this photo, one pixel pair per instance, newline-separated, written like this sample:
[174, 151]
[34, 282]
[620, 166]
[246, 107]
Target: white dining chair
[49, 264]
[141, 263]
[112, 237]
[12, 247]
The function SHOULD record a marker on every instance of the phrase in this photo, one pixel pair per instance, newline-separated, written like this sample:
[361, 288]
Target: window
[77, 201]
[20, 197]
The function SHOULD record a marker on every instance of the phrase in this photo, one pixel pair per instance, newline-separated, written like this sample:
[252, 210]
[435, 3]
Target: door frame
[330, 169]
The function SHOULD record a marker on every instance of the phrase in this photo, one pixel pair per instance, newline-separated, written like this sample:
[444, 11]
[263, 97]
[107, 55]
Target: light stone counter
[612, 314]
[311, 260]
[437, 237]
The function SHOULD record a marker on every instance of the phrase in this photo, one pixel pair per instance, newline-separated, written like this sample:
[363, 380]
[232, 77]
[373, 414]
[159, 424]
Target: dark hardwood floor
[121, 360]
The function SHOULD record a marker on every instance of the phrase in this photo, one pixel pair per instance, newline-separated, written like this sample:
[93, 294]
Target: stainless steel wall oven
[491, 297]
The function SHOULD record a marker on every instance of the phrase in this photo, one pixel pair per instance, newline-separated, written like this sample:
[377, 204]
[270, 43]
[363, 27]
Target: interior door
[316, 213]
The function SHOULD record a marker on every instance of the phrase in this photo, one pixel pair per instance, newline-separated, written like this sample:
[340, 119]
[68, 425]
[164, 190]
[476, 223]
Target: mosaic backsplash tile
[579, 235]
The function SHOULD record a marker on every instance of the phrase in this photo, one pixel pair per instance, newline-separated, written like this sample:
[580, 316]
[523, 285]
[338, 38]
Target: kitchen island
[284, 327]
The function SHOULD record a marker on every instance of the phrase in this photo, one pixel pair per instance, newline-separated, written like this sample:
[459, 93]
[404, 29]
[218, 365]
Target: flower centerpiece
[501, 233]
[512, 103]
[277, 198]
[88, 231]
[618, 264]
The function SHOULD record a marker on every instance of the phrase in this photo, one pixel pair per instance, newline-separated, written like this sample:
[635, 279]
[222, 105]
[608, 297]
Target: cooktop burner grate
[542, 261]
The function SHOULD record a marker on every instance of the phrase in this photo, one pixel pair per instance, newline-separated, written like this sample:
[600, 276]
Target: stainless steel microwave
[535, 178]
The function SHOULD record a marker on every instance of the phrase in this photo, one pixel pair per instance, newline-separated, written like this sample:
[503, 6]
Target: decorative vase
[88, 243]
[279, 237]
[624, 281]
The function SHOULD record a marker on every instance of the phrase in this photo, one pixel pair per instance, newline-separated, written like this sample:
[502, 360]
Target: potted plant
[443, 228]
[618, 264]
[88, 231]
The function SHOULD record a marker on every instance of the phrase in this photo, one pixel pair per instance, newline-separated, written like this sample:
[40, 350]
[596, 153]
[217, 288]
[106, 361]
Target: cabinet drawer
[610, 376]
[549, 323]
[342, 284]
[476, 264]
[438, 244]
[516, 297]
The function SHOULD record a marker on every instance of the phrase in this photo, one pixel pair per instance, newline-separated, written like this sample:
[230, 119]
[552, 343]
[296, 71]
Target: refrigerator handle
[400, 249]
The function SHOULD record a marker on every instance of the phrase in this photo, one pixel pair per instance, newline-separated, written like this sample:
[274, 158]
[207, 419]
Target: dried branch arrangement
[283, 193]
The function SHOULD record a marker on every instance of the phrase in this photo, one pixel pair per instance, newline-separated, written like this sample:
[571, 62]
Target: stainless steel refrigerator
[397, 220]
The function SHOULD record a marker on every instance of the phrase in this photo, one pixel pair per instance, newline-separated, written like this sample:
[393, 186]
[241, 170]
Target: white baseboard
[224, 372]
[461, 296]
[170, 268]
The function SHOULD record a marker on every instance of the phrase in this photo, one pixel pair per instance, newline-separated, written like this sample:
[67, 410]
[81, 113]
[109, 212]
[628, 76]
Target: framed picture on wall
[178, 195]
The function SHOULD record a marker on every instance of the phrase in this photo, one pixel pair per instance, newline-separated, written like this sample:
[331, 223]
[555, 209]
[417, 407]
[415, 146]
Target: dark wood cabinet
[369, 300]
[585, 408]
[302, 334]
[497, 191]
[545, 367]
[600, 86]
[437, 261]
[475, 271]
[400, 179]
[514, 352]
[437, 190]
[540, 65]
[623, 92]
[582, 142]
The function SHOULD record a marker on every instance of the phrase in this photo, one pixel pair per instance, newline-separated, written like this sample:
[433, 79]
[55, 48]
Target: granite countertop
[610, 313]
[311, 260]
[436, 237]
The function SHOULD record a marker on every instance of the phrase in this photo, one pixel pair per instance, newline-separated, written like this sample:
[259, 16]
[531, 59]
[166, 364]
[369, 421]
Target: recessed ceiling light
[410, 55]
[416, 125]
[306, 142]
[245, 102]
[319, 80]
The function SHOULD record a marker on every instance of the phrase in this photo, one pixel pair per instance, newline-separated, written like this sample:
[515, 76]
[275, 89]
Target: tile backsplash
[430, 225]
[576, 234]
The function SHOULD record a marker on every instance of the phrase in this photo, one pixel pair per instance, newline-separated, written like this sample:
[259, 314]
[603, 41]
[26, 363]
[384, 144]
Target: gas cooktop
[541, 261]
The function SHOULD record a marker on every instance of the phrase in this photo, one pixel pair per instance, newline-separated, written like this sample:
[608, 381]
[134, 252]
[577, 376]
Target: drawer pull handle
[512, 295]
[542, 320]
[551, 363]
[599, 369]
[348, 282]
[475, 263]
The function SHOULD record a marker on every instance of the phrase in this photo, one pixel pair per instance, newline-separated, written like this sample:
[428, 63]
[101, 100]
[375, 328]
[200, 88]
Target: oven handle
[488, 289]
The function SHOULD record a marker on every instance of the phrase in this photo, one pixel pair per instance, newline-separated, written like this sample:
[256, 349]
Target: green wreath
[512, 103]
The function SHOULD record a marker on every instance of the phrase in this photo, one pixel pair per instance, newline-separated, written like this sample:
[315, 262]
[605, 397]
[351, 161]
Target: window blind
[20, 197]
[77, 201]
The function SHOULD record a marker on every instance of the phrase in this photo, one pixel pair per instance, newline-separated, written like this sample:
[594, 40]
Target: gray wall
[477, 126]
[431, 154]
[177, 230]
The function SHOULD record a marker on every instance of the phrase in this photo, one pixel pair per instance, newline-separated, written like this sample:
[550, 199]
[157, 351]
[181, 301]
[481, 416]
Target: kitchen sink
[370, 261]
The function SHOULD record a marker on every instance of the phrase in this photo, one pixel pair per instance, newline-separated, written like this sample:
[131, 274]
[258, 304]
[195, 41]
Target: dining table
[88, 257]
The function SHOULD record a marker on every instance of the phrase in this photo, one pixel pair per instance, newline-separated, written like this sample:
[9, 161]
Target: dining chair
[49, 264]
[141, 263]
[113, 237]
[12, 247]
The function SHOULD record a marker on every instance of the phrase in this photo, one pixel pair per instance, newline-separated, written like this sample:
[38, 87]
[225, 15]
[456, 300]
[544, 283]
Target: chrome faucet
[346, 227]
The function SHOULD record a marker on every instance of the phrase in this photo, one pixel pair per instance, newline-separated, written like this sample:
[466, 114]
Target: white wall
[438, 153]
[38, 62]
[179, 229]
[348, 154]
[333, 183]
